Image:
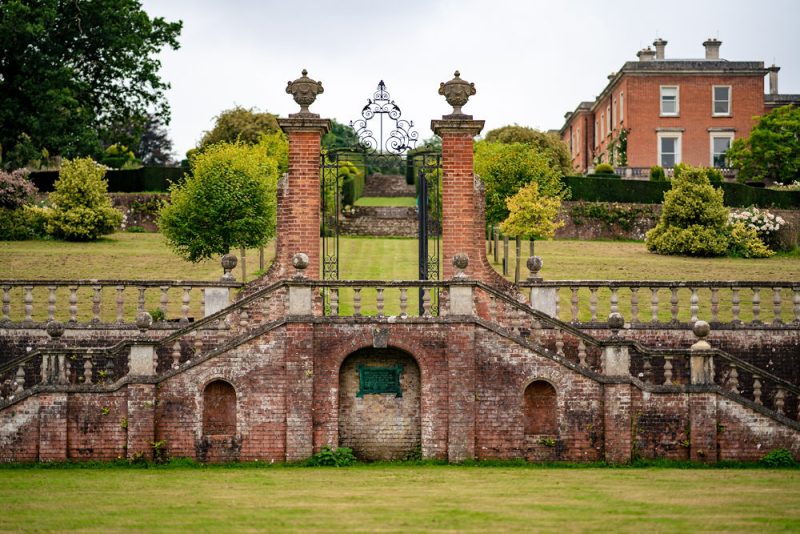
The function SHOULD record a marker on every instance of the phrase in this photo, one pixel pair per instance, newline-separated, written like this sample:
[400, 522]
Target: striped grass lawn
[399, 498]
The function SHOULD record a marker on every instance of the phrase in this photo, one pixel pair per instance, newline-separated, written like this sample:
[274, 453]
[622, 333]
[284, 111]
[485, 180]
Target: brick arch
[540, 407]
[342, 354]
[219, 408]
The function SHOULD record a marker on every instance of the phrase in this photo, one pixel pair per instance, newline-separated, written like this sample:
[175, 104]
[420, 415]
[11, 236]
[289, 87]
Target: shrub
[15, 189]
[81, 208]
[604, 168]
[765, 224]
[327, 456]
[531, 215]
[743, 242]
[657, 174]
[15, 225]
[778, 458]
[228, 201]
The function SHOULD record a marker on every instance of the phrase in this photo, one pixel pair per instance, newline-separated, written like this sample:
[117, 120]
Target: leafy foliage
[339, 457]
[657, 174]
[240, 125]
[506, 168]
[548, 144]
[694, 222]
[118, 157]
[80, 206]
[340, 136]
[155, 146]
[19, 224]
[15, 189]
[72, 72]
[604, 168]
[778, 458]
[772, 152]
[228, 201]
[532, 215]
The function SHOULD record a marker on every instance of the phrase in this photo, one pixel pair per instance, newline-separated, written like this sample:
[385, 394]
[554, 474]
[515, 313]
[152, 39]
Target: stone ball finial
[304, 90]
[534, 264]
[143, 321]
[229, 262]
[615, 322]
[701, 329]
[55, 329]
[460, 262]
[300, 263]
[457, 93]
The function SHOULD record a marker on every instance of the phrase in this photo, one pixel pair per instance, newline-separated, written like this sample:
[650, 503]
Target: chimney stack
[660, 45]
[773, 79]
[646, 54]
[712, 48]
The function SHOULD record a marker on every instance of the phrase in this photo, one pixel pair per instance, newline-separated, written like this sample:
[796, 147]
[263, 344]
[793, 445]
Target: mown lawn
[408, 202]
[382, 498]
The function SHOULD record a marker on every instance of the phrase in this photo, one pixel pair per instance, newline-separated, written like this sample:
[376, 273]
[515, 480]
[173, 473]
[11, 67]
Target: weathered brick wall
[385, 426]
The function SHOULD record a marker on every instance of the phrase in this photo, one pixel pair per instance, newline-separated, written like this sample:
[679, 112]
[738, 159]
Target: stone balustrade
[669, 303]
[29, 303]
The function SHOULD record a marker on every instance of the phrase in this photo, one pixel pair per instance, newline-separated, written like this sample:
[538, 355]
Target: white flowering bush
[766, 224]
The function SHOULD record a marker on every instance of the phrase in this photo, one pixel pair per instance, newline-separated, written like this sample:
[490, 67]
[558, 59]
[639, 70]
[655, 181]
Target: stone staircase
[387, 185]
[383, 221]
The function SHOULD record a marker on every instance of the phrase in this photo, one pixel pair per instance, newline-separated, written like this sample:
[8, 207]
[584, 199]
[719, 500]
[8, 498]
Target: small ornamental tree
[772, 152]
[229, 201]
[694, 222]
[80, 206]
[532, 215]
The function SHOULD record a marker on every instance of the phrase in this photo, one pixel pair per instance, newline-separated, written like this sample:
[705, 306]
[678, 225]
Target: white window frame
[603, 124]
[621, 107]
[596, 134]
[678, 145]
[711, 137]
[714, 101]
[608, 119]
[677, 100]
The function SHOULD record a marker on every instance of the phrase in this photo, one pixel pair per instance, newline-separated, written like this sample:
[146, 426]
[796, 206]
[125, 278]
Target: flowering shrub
[765, 224]
[15, 189]
[794, 186]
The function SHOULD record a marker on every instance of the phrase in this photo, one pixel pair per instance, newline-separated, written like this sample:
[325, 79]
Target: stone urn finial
[143, 322]
[457, 93]
[229, 262]
[304, 90]
[460, 262]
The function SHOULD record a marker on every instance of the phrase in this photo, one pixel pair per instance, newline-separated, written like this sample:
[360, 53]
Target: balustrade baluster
[63, 375]
[733, 379]
[673, 304]
[694, 305]
[757, 389]
[558, 303]
[667, 370]
[140, 302]
[403, 302]
[574, 304]
[559, 342]
[96, 289]
[634, 305]
[28, 301]
[7, 303]
[202, 302]
[334, 301]
[51, 302]
[379, 301]
[714, 304]
[426, 302]
[776, 306]
[593, 304]
[614, 300]
[87, 369]
[647, 369]
[796, 299]
[357, 302]
[20, 379]
[176, 354]
[582, 353]
[109, 370]
[164, 300]
[73, 304]
[756, 305]
[120, 304]
[185, 304]
[654, 305]
[735, 305]
[45, 369]
[780, 396]
[198, 342]
[244, 319]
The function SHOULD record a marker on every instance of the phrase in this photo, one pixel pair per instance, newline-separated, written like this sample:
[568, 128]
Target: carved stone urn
[457, 93]
[304, 90]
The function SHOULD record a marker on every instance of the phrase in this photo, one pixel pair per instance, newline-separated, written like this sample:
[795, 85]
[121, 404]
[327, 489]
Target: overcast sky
[531, 61]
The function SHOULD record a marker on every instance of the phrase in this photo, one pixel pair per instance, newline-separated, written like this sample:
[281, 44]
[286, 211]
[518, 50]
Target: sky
[531, 61]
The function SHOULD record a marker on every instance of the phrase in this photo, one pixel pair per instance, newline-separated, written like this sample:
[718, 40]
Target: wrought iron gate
[388, 146]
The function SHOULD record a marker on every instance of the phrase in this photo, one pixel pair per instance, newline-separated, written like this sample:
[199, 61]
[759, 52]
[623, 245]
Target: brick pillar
[141, 420]
[299, 196]
[52, 427]
[299, 391]
[703, 427]
[461, 392]
[617, 423]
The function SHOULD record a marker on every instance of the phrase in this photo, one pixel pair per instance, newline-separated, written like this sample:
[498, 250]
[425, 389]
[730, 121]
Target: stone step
[380, 221]
[388, 185]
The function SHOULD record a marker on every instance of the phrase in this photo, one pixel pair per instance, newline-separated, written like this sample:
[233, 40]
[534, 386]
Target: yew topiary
[80, 206]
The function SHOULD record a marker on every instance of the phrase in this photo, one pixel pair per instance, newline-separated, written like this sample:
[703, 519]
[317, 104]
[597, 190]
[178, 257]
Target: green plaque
[377, 380]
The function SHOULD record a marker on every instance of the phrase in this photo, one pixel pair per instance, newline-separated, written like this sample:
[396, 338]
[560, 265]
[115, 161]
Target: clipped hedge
[150, 179]
[615, 190]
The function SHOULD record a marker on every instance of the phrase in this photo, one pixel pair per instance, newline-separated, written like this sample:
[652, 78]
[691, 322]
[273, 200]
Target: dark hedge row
[145, 179]
[615, 190]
